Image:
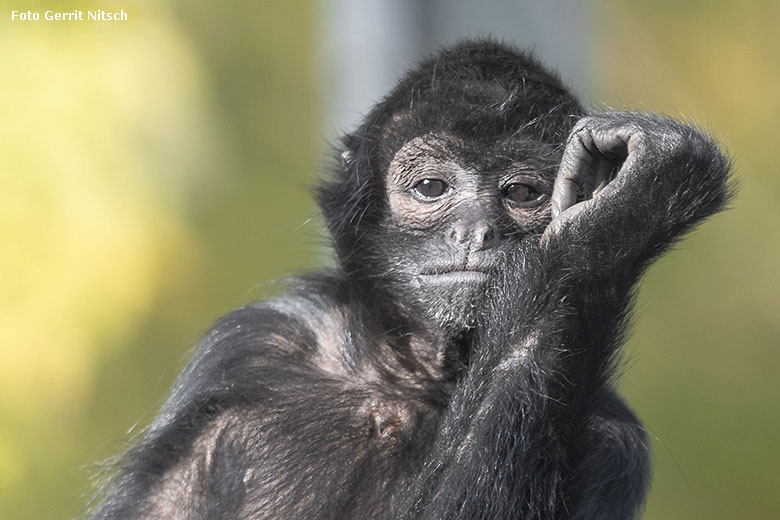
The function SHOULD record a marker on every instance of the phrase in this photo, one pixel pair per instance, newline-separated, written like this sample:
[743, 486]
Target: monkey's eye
[430, 189]
[519, 193]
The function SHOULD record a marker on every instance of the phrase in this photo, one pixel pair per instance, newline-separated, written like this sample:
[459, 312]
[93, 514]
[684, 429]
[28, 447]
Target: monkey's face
[455, 209]
[449, 173]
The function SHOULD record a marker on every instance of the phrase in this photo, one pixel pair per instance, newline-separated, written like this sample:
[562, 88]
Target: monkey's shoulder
[312, 325]
[310, 339]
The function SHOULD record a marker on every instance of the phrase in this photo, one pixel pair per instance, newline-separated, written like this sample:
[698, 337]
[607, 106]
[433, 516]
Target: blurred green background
[155, 174]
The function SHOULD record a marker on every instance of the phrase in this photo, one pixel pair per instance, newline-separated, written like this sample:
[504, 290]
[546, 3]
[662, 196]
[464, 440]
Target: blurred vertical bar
[364, 45]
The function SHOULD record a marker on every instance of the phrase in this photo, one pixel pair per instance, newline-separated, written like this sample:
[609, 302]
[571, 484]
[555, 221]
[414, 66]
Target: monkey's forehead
[465, 129]
[437, 151]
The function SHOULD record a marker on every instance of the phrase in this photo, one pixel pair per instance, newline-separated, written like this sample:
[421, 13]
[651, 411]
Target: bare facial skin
[458, 210]
[429, 158]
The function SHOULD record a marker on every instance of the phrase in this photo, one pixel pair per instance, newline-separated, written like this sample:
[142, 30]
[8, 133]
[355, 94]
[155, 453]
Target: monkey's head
[447, 174]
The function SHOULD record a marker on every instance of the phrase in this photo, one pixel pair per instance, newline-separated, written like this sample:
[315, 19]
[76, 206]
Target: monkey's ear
[349, 144]
[346, 159]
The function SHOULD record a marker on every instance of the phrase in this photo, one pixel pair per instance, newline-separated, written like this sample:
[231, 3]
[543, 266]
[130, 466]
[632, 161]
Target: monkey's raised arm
[534, 430]
[631, 184]
[533, 396]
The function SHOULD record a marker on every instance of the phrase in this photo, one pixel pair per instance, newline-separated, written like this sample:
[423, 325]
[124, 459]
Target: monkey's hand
[629, 184]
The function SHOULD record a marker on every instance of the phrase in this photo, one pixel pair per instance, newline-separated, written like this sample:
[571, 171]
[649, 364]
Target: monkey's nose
[474, 236]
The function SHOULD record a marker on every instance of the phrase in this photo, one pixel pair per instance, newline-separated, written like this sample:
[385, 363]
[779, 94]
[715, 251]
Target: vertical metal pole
[366, 44]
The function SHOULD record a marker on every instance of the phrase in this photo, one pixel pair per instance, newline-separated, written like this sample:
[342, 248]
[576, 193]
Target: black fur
[365, 393]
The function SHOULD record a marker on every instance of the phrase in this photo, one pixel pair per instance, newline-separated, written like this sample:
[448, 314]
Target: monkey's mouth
[455, 277]
[473, 271]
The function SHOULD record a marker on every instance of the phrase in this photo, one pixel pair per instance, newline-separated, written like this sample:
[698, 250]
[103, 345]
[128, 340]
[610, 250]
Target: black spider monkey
[459, 361]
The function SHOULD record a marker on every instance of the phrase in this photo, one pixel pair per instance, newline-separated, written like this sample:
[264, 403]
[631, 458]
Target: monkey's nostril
[473, 236]
[459, 234]
[489, 238]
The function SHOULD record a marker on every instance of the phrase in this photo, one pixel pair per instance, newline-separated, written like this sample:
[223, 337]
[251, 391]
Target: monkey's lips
[458, 277]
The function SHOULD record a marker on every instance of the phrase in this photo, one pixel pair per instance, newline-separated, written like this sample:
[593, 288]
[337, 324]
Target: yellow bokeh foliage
[93, 121]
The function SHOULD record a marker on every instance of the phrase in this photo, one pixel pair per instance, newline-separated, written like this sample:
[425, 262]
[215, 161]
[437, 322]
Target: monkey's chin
[452, 300]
